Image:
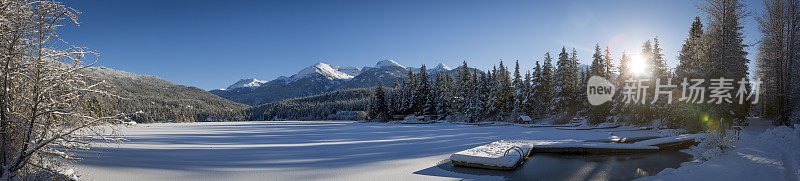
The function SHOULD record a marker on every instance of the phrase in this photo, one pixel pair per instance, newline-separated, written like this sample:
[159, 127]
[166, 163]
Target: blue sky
[211, 44]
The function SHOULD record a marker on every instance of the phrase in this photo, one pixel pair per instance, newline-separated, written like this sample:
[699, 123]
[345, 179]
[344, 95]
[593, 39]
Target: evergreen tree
[481, 101]
[610, 66]
[502, 92]
[620, 107]
[465, 88]
[690, 52]
[378, 108]
[537, 96]
[723, 54]
[527, 100]
[407, 92]
[659, 65]
[567, 82]
[599, 67]
[519, 90]
[624, 69]
[517, 76]
[547, 83]
[420, 105]
[445, 86]
[576, 81]
[433, 96]
[647, 55]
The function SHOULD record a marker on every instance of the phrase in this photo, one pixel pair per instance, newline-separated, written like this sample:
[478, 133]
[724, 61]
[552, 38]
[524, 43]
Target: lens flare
[638, 65]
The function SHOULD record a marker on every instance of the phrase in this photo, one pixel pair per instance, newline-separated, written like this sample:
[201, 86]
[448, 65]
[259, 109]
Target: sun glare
[638, 65]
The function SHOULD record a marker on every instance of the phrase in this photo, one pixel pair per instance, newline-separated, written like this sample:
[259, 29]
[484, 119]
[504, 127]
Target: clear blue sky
[211, 44]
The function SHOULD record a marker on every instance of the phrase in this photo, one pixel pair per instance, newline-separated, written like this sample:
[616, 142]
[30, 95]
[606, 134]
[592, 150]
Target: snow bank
[771, 155]
[713, 145]
[785, 141]
[503, 154]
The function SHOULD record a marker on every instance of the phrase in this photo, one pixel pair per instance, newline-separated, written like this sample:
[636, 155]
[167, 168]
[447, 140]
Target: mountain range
[319, 84]
[317, 79]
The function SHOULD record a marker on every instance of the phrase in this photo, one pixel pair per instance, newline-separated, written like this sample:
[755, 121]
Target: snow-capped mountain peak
[441, 67]
[388, 63]
[249, 83]
[322, 69]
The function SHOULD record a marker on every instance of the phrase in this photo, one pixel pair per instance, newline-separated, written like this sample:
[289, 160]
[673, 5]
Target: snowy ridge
[249, 83]
[349, 70]
[388, 63]
[322, 69]
[440, 68]
[383, 68]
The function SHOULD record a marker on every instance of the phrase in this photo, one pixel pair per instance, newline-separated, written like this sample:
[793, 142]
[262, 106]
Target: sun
[638, 65]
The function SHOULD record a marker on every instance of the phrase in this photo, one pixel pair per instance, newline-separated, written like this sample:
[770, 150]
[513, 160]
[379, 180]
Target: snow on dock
[498, 155]
[672, 142]
[592, 148]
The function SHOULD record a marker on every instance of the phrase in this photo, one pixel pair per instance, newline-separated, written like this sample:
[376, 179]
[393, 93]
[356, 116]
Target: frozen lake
[303, 150]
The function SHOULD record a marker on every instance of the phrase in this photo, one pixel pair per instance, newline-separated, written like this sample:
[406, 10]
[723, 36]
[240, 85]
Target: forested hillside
[159, 99]
[316, 107]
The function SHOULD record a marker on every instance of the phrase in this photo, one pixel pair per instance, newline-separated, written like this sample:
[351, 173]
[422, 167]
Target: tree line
[712, 50]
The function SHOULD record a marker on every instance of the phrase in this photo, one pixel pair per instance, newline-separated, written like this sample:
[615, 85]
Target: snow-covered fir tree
[378, 108]
[690, 51]
[547, 88]
[600, 67]
[566, 82]
[659, 65]
[723, 54]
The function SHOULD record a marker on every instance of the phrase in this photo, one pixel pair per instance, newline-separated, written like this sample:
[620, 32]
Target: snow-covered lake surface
[307, 150]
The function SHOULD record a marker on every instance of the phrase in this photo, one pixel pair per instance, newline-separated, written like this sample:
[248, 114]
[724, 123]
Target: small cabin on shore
[524, 120]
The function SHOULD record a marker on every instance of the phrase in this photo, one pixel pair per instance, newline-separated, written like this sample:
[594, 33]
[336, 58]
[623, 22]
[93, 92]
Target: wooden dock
[507, 155]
